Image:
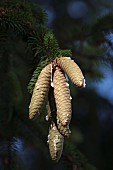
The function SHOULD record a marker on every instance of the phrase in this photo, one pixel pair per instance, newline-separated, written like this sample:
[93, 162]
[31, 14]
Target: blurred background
[85, 27]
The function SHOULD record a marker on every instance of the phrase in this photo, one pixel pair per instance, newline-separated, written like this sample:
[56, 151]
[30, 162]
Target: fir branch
[43, 43]
[51, 45]
[64, 53]
[36, 41]
[101, 26]
[3, 37]
[21, 17]
[6, 24]
[23, 11]
[38, 13]
[76, 157]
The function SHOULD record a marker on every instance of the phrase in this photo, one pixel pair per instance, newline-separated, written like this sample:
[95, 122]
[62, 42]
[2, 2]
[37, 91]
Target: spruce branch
[51, 45]
[71, 153]
[64, 53]
[36, 41]
[100, 27]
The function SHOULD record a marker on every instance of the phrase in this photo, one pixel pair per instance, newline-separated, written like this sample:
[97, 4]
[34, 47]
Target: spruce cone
[40, 92]
[72, 70]
[62, 97]
[64, 130]
[55, 140]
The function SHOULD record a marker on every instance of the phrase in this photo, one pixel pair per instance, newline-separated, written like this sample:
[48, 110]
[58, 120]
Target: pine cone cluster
[53, 85]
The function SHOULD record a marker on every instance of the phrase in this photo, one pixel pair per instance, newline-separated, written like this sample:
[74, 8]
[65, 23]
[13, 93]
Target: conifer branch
[100, 27]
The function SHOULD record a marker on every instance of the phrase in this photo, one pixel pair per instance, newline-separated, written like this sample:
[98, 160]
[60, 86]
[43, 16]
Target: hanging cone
[62, 97]
[72, 70]
[40, 92]
[55, 140]
[64, 130]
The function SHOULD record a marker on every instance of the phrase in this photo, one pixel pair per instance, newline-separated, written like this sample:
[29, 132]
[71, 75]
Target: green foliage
[36, 42]
[64, 53]
[15, 90]
[24, 12]
[50, 45]
[100, 27]
[76, 157]
[21, 17]
[90, 59]
[43, 43]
